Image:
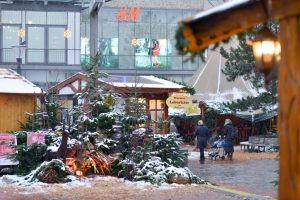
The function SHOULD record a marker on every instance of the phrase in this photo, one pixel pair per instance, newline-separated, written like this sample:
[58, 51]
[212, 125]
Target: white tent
[213, 88]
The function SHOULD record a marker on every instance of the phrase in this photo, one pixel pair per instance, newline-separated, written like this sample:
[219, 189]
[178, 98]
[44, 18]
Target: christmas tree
[241, 63]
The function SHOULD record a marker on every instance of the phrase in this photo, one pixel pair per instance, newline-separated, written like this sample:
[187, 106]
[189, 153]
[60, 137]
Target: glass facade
[148, 43]
[44, 36]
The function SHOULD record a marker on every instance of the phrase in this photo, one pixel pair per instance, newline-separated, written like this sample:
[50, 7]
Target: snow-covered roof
[212, 86]
[11, 82]
[140, 81]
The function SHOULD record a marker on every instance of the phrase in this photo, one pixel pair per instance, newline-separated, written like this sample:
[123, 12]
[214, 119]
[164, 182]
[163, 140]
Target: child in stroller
[217, 148]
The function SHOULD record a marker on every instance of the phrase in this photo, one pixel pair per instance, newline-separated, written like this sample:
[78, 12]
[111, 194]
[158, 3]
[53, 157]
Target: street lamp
[19, 51]
[266, 50]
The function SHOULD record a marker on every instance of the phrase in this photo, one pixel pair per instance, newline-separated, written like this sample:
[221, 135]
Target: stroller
[217, 149]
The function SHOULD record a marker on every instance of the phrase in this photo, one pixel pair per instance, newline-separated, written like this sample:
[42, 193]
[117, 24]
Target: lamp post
[19, 51]
[266, 50]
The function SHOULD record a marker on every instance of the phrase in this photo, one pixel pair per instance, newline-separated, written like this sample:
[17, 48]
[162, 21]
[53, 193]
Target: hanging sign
[130, 16]
[180, 104]
[193, 110]
[35, 138]
[179, 101]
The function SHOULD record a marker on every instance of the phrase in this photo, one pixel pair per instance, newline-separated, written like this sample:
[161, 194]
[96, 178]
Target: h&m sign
[126, 15]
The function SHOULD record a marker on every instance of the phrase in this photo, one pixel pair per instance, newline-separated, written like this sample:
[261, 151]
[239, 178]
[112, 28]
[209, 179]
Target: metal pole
[19, 61]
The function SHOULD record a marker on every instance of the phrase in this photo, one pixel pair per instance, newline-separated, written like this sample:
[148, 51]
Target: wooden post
[289, 109]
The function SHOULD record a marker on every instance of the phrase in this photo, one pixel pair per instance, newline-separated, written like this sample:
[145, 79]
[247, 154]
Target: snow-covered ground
[14, 188]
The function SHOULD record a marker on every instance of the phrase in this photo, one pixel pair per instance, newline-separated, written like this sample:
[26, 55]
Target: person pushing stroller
[229, 135]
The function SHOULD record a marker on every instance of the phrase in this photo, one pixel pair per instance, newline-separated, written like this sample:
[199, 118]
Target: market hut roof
[13, 83]
[219, 23]
[140, 81]
[78, 82]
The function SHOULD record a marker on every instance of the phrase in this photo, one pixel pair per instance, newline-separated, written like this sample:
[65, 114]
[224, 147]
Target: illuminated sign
[179, 101]
[132, 15]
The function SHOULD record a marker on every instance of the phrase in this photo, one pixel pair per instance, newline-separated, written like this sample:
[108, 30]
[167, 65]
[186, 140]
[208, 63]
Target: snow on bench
[259, 142]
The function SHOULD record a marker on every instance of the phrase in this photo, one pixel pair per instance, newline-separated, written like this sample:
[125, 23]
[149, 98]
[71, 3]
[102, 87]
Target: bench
[259, 142]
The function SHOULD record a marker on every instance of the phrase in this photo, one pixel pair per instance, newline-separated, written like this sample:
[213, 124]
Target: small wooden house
[17, 97]
[154, 91]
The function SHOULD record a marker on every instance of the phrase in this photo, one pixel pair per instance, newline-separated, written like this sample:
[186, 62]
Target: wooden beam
[289, 109]
[217, 26]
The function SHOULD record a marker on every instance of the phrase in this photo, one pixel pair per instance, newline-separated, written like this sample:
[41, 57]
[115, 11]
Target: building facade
[138, 37]
[57, 37]
[51, 33]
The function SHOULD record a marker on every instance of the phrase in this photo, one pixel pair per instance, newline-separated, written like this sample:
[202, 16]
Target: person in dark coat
[202, 134]
[229, 133]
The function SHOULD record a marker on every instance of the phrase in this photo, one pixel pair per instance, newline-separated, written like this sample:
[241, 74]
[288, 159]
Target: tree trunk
[289, 110]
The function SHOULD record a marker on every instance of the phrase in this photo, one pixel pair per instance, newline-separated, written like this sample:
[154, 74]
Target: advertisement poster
[108, 48]
[6, 150]
[152, 53]
[35, 138]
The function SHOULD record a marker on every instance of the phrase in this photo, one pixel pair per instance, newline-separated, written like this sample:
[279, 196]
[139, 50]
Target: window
[36, 44]
[156, 111]
[57, 18]
[108, 48]
[57, 45]
[11, 17]
[10, 38]
[33, 17]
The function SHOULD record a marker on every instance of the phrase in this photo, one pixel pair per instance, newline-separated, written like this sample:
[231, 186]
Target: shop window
[156, 112]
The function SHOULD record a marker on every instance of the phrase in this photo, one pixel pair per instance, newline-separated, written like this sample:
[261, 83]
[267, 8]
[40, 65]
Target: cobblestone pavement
[247, 172]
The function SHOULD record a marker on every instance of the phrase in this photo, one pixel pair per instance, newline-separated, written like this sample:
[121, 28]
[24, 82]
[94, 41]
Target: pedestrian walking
[229, 135]
[202, 134]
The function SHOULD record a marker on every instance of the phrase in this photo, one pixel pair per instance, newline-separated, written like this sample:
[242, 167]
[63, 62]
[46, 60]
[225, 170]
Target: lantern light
[79, 173]
[67, 33]
[266, 50]
[21, 33]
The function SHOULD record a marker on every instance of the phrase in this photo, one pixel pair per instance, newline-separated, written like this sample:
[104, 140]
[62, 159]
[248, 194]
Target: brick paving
[247, 172]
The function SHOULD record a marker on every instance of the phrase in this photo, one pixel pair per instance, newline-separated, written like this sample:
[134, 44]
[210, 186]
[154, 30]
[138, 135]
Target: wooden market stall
[234, 17]
[154, 91]
[17, 97]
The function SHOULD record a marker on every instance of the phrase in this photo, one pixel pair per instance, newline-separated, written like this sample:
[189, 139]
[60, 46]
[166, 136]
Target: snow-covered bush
[156, 172]
[168, 149]
[107, 145]
[29, 157]
[54, 171]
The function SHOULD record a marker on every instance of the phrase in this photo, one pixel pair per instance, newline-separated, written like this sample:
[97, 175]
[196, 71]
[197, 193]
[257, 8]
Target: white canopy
[213, 88]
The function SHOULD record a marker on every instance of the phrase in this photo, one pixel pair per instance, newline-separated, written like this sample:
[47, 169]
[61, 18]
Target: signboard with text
[179, 101]
[35, 138]
[128, 15]
[182, 104]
